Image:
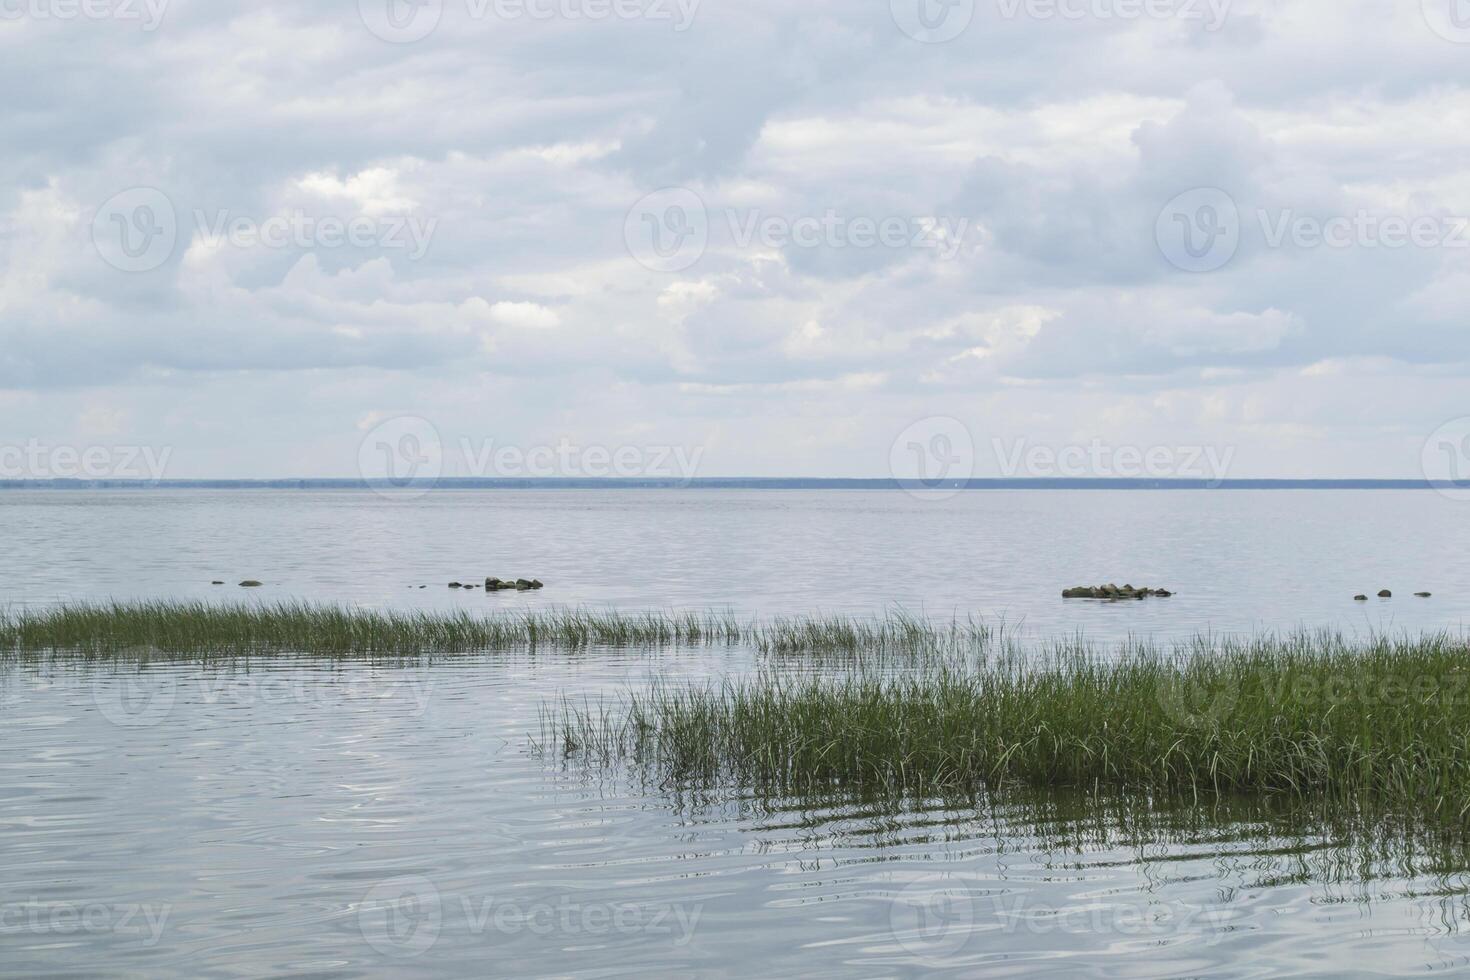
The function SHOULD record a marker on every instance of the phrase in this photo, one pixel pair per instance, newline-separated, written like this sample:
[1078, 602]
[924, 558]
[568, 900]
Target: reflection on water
[372, 819]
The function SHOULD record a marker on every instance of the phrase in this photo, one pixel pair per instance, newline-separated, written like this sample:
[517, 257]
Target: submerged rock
[455, 585]
[216, 582]
[1424, 595]
[250, 583]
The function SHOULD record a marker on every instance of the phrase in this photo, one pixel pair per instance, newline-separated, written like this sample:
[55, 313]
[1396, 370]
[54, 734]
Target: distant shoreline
[733, 483]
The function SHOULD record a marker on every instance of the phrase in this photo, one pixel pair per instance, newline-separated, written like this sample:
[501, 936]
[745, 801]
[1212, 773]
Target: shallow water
[293, 817]
[1239, 561]
[358, 820]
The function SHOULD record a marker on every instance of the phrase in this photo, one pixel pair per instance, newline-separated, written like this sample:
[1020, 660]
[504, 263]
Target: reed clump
[121, 630]
[199, 629]
[1309, 717]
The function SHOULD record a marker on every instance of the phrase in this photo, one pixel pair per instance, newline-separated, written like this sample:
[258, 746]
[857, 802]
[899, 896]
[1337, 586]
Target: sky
[707, 238]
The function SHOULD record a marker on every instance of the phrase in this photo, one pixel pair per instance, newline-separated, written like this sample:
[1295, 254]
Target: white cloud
[1057, 142]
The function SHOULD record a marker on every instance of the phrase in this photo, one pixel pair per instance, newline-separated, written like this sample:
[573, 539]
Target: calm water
[357, 820]
[1239, 560]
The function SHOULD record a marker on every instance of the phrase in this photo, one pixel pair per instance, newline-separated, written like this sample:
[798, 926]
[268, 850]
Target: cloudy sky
[749, 237]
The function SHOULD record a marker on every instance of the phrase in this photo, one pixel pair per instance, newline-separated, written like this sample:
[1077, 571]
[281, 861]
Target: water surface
[1239, 561]
[294, 817]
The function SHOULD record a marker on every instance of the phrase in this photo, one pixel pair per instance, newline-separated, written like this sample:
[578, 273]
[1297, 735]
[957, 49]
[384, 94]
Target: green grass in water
[1312, 717]
[137, 630]
[197, 629]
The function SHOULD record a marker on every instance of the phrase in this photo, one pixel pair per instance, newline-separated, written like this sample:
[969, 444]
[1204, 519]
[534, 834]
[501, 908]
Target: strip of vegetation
[114, 630]
[1313, 717]
[199, 629]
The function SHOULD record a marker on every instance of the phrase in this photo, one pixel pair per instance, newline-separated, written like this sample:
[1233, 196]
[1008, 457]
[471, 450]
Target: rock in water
[1424, 595]
[1360, 598]
[1385, 594]
[1113, 593]
[250, 583]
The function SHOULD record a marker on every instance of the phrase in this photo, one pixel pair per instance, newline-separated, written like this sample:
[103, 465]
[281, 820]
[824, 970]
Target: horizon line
[740, 483]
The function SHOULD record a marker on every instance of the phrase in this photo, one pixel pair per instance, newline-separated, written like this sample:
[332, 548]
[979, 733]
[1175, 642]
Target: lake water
[345, 820]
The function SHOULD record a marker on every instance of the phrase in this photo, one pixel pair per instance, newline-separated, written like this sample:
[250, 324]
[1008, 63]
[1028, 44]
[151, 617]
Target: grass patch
[1312, 718]
[199, 629]
[128, 630]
